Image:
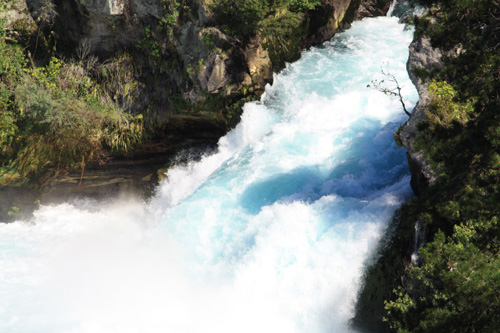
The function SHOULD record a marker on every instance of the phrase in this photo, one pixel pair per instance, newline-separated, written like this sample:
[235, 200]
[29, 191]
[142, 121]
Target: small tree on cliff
[395, 91]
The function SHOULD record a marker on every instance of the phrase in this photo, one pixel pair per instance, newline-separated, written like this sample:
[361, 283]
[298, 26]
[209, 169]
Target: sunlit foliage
[55, 116]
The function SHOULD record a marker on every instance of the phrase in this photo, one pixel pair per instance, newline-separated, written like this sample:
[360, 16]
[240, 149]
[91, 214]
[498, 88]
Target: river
[269, 233]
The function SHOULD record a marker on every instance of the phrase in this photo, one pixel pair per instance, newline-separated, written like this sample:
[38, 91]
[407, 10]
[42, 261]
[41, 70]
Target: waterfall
[390, 11]
[268, 234]
[419, 241]
[405, 10]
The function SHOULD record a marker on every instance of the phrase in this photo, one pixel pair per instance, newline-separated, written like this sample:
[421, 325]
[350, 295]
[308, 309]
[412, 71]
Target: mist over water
[268, 234]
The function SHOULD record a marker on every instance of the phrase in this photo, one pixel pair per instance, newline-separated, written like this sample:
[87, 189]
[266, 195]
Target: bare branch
[84, 49]
[394, 92]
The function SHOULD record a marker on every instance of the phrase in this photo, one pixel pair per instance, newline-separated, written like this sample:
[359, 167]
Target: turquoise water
[268, 234]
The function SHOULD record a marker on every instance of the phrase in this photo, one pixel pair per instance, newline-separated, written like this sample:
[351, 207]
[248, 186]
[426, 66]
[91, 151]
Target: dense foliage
[244, 18]
[61, 109]
[56, 116]
[282, 24]
[455, 287]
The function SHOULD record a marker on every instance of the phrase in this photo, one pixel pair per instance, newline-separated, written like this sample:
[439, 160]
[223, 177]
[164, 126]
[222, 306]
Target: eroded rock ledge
[422, 57]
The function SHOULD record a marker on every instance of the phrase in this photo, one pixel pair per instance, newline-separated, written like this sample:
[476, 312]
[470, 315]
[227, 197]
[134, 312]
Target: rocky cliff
[213, 61]
[422, 57]
[186, 38]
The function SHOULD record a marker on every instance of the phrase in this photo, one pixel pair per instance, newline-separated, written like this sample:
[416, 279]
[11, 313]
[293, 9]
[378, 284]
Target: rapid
[269, 233]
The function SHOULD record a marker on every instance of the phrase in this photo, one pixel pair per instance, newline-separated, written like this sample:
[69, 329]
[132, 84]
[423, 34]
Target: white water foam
[269, 234]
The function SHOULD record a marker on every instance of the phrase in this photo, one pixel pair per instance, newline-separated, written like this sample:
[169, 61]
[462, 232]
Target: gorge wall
[192, 54]
[422, 57]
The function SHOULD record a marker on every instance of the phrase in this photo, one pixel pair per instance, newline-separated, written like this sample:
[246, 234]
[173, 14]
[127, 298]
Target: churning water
[269, 234]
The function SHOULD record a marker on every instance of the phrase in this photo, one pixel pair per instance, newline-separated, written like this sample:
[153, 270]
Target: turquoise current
[268, 234]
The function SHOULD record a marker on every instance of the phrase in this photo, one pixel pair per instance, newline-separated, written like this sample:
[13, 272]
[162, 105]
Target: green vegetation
[444, 112]
[282, 34]
[57, 116]
[149, 45]
[455, 286]
[282, 24]
[171, 14]
[242, 19]
[62, 107]
[445, 126]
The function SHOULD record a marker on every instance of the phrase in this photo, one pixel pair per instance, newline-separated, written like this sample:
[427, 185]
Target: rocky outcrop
[369, 8]
[332, 16]
[218, 64]
[108, 25]
[260, 68]
[16, 12]
[424, 57]
[215, 63]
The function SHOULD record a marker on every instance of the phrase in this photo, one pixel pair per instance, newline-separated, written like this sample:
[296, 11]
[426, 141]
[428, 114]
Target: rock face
[369, 8]
[16, 12]
[108, 25]
[216, 63]
[334, 15]
[422, 56]
[219, 64]
[260, 68]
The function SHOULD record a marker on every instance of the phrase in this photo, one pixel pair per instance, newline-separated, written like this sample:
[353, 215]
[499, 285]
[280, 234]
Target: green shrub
[57, 116]
[303, 5]
[244, 18]
[8, 128]
[444, 111]
[12, 59]
[170, 16]
[240, 18]
[64, 131]
[282, 34]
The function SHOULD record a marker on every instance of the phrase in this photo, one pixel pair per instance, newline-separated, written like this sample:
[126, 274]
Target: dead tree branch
[395, 92]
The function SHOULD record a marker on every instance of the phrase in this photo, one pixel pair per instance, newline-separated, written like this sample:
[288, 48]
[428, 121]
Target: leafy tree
[243, 19]
[457, 289]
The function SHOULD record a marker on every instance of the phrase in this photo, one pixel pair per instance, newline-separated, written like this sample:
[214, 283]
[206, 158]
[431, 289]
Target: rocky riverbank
[188, 78]
[422, 57]
[395, 251]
